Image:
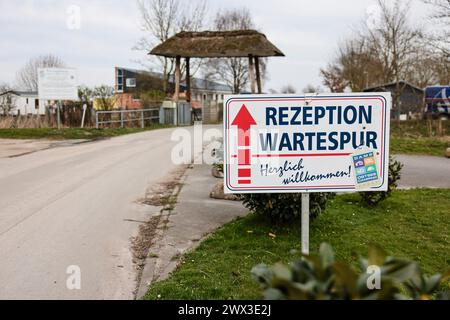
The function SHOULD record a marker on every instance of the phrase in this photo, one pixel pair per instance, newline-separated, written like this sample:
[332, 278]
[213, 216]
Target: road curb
[149, 272]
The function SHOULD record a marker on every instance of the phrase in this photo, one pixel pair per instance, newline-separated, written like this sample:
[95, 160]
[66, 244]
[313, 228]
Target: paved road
[76, 205]
[424, 171]
[10, 148]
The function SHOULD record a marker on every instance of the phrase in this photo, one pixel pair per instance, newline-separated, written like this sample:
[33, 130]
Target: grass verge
[413, 137]
[413, 224]
[420, 146]
[71, 133]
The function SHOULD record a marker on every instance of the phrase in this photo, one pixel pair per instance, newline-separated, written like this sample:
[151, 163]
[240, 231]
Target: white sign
[57, 84]
[320, 143]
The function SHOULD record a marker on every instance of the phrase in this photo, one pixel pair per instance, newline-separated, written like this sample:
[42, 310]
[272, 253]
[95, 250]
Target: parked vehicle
[437, 102]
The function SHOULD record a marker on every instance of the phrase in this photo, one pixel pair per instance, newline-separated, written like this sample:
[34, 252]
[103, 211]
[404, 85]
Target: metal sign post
[305, 223]
[58, 114]
[84, 115]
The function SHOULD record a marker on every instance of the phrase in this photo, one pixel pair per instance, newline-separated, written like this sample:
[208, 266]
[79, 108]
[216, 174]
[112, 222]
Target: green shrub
[322, 278]
[218, 156]
[218, 166]
[284, 207]
[374, 198]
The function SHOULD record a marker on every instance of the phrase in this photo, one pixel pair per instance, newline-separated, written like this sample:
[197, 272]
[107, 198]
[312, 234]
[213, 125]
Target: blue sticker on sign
[365, 167]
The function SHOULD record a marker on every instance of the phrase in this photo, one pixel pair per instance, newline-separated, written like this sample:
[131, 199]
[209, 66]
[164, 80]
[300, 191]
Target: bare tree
[162, 19]
[394, 42]
[389, 51]
[105, 96]
[27, 77]
[355, 66]
[233, 71]
[85, 95]
[437, 41]
[363, 65]
[6, 99]
[441, 11]
[288, 89]
[441, 15]
[311, 89]
[4, 87]
[333, 78]
[426, 67]
[441, 68]
[233, 19]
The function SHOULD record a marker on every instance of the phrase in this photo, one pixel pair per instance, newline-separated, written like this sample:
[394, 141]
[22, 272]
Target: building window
[119, 80]
[27, 101]
[36, 104]
[131, 82]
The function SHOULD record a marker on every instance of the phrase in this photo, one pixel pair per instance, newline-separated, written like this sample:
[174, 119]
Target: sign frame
[63, 85]
[384, 102]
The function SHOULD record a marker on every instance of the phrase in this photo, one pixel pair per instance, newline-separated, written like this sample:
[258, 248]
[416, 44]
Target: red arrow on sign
[244, 121]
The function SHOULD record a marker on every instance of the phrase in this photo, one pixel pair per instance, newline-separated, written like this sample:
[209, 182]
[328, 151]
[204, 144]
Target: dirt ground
[161, 196]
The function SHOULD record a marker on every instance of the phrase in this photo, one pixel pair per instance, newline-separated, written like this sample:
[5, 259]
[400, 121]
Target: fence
[179, 114]
[70, 118]
[212, 112]
[184, 114]
[130, 117]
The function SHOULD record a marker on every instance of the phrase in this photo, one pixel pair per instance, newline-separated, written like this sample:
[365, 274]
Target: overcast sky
[307, 31]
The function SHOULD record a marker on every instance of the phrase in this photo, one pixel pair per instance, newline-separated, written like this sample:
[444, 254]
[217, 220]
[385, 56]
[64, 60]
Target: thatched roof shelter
[217, 44]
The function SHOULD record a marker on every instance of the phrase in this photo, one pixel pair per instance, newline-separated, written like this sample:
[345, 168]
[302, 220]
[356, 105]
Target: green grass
[413, 224]
[71, 133]
[416, 128]
[412, 137]
[419, 146]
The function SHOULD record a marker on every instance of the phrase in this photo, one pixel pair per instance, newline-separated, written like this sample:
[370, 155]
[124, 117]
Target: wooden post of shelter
[251, 73]
[258, 75]
[177, 86]
[177, 78]
[188, 80]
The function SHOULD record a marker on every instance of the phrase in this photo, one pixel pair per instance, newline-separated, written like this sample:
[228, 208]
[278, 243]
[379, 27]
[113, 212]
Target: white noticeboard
[57, 84]
[305, 144]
